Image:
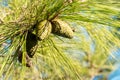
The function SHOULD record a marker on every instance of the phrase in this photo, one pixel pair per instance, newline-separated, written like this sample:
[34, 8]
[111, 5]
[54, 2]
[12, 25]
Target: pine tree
[42, 35]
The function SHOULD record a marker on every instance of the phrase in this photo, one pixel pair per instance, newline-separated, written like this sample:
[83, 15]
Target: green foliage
[55, 58]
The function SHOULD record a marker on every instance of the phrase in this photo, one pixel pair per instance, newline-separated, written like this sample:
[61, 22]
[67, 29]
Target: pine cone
[31, 44]
[61, 28]
[44, 29]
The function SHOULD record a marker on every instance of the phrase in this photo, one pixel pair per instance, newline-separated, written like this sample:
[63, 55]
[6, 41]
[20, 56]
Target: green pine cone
[61, 28]
[44, 29]
[31, 44]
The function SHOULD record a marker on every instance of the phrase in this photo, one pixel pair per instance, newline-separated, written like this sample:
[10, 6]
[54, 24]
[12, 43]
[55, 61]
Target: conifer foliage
[38, 29]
